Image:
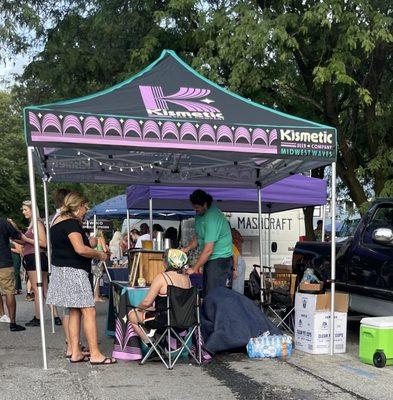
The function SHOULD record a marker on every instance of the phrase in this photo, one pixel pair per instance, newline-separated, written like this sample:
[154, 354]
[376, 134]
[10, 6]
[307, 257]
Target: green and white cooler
[376, 341]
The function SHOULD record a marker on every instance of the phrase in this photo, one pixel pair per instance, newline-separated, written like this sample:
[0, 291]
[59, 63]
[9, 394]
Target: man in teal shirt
[213, 236]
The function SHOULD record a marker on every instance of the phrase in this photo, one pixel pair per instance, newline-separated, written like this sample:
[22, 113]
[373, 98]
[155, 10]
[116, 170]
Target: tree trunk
[309, 223]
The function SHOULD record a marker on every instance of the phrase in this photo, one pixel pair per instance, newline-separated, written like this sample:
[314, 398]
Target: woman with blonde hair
[70, 284]
[115, 246]
[29, 258]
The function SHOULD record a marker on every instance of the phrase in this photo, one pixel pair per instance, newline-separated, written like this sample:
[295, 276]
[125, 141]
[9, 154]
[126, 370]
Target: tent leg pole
[151, 217]
[30, 164]
[128, 230]
[259, 190]
[269, 247]
[48, 247]
[323, 222]
[95, 225]
[333, 256]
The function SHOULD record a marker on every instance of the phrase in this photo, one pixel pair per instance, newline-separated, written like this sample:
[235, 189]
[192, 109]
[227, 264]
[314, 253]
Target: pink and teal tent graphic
[169, 125]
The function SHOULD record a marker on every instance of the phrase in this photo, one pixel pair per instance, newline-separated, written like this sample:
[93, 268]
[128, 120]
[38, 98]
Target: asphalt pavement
[228, 376]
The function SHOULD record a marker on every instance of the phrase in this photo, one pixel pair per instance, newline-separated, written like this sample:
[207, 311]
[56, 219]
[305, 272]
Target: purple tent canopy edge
[292, 192]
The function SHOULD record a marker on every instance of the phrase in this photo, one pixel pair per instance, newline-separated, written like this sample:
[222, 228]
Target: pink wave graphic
[206, 131]
[92, 123]
[33, 120]
[151, 127]
[273, 136]
[224, 132]
[189, 93]
[194, 106]
[188, 129]
[112, 124]
[168, 128]
[261, 134]
[51, 120]
[132, 126]
[71, 121]
[242, 133]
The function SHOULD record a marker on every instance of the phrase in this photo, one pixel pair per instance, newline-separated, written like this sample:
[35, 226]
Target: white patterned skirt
[69, 287]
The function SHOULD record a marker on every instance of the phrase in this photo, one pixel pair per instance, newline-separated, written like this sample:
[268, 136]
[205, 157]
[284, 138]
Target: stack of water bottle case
[270, 346]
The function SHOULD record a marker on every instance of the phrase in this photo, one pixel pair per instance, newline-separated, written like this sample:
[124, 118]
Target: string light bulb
[110, 168]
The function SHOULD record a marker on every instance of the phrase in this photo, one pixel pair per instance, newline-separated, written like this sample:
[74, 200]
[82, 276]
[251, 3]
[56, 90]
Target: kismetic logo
[321, 137]
[193, 100]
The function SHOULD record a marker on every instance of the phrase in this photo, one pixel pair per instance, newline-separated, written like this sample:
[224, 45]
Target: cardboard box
[283, 268]
[311, 287]
[321, 302]
[312, 323]
[312, 332]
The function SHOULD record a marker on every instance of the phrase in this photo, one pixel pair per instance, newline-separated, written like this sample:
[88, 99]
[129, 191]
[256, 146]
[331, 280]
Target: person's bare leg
[74, 326]
[135, 316]
[1, 305]
[90, 328]
[44, 284]
[28, 285]
[33, 282]
[11, 306]
[66, 321]
[97, 297]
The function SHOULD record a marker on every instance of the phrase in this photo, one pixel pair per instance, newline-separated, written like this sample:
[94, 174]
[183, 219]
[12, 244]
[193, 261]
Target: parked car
[364, 262]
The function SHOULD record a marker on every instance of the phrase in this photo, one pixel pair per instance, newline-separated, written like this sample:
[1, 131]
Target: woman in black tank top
[174, 275]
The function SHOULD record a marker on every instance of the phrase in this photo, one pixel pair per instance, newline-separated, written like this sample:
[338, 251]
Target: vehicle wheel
[379, 359]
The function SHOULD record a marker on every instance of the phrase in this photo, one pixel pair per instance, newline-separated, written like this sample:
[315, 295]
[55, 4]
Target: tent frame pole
[128, 230]
[323, 208]
[269, 245]
[151, 217]
[34, 209]
[261, 274]
[333, 256]
[48, 246]
[95, 225]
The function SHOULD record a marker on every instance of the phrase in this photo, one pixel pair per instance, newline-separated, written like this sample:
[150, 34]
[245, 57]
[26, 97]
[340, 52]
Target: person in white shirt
[145, 235]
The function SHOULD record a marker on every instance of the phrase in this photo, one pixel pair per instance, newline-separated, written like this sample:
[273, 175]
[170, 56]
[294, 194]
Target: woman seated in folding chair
[155, 318]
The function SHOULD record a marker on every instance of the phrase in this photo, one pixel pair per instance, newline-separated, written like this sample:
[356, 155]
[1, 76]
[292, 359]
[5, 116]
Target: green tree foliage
[328, 61]
[13, 173]
[23, 23]
[14, 180]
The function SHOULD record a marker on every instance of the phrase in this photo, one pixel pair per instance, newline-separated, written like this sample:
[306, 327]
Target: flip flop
[83, 359]
[85, 351]
[104, 361]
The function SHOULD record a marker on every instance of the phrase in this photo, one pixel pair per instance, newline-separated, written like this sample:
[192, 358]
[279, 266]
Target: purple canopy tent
[168, 125]
[292, 192]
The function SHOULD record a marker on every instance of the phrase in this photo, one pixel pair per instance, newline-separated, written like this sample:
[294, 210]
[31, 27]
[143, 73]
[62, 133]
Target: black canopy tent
[168, 125]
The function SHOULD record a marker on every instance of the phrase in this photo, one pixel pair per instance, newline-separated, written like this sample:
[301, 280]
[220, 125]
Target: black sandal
[84, 350]
[83, 359]
[104, 361]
